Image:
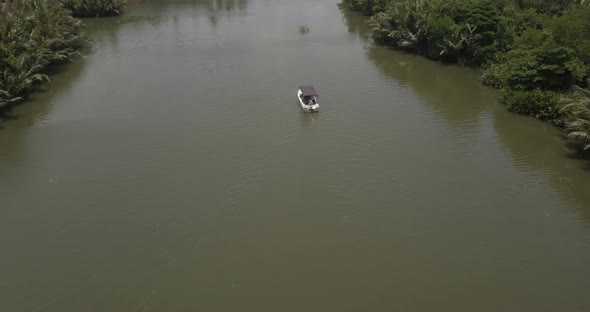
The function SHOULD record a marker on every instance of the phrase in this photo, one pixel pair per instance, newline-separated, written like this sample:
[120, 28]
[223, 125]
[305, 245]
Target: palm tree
[33, 35]
[578, 127]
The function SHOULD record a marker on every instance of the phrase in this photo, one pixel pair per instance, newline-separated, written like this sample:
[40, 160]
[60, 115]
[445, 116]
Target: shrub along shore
[37, 34]
[537, 52]
[94, 8]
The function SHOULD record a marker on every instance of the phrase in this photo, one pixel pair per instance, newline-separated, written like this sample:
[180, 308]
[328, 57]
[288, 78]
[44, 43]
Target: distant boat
[308, 98]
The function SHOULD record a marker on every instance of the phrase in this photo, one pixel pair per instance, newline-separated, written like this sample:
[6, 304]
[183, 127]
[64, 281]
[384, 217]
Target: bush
[534, 49]
[572, 30]
[540, 104]
[94, 8]
[34, 34]
[492, 75]
[462, 31]
[553, 7]
[515, 21]
[439, 30]
[407, 23]
[484, 16]
[576, 108]
[367, 7]
[539, 63]
[380, 25]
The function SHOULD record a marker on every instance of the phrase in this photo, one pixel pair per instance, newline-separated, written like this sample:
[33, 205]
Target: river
[171, 169]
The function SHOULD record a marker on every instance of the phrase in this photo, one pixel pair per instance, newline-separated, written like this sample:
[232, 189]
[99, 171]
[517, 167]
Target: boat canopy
[308, 91]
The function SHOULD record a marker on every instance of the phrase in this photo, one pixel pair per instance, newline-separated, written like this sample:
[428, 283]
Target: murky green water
[172, 170]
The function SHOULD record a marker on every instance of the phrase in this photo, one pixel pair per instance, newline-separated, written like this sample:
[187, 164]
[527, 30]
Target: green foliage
[538, 62]
[576, 108]
[403, 24]
[475, 32]
[540, 104]
[546, 6]
[572, 30]
[381, 29]
[462, 31]
[94, 8]
[518, 20]
[534, 50]
[492, 75]
[439, 32]
[484, 17]
[34, 34]
[369, 7]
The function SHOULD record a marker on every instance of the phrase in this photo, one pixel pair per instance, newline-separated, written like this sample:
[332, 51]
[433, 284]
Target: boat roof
[308, 91]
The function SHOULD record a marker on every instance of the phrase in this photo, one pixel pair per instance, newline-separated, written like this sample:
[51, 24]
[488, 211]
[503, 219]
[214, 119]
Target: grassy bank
[34, 35]
[535, 51]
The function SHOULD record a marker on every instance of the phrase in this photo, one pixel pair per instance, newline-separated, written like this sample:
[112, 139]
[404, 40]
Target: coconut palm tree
[403, 24]
[578, 127]
[33, 35]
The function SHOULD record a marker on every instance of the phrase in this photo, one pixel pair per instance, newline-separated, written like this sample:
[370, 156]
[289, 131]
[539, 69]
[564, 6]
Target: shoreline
[546, 81]
[29, 51]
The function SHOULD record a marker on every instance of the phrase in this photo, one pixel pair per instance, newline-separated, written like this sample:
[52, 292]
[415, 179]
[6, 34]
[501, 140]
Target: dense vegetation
[94, 8]
[533, 50]
[33, 36]
[36, 34]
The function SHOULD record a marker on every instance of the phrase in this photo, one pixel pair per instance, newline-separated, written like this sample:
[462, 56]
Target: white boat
[308, 98]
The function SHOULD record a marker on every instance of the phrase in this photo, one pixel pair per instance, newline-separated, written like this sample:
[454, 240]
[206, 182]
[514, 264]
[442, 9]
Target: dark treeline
[36, 34]
[536, 51]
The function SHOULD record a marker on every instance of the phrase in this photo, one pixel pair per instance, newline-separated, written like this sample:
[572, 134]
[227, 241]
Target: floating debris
[303, 29]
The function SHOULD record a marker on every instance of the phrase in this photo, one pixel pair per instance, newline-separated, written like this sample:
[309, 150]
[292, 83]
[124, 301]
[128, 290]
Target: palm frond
[581, 137]
[34, 34]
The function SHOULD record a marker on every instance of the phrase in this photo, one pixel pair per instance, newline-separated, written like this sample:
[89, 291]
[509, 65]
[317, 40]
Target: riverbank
[536, 52]
[35, 35]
